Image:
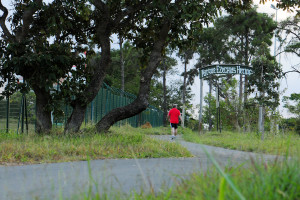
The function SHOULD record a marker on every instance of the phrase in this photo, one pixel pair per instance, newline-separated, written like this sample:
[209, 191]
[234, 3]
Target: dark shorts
[174, 125]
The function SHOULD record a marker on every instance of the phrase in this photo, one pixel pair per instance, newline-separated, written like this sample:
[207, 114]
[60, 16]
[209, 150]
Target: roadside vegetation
[280, 144]
[276, 180]
[123, 142]
[260, 181]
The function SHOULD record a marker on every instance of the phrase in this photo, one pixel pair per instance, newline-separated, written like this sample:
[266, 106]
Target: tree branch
[6, 32]
[294, 70]
[141, 102]
[292, 51]
[27, 20]
[291, 32]
[130, 10]
[98, 4]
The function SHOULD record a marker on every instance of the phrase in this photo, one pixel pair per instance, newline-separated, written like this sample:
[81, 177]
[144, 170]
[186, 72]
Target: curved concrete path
[68, 180]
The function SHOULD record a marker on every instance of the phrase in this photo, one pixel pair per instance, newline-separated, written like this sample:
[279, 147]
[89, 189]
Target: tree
[160, 95]
[248, 30]
[186, 55]
[151, 25]
[166, 23]
[235, 39]
[212, 48]
[293, 107]
[288, 5]
[265, 73]
[288, 33]
[42, 47]
[132, 69]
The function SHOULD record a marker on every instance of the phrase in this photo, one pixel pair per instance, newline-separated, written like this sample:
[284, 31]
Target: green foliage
[248, 29]
[192, 124]
[292, 6]
[235, 38]
[289, 124]
[265, 73]
[229, 107]
[49, 50]
[132, 68]
[293, 108]
[46, 53]
[292, 103]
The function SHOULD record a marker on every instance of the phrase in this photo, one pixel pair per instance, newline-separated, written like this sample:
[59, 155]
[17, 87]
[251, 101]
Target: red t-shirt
[174, 114]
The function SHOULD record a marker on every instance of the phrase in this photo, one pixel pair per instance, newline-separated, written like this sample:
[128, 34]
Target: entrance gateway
[209, 70]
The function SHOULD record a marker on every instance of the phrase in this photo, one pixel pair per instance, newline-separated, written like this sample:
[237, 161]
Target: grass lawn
[123, 142]
[251, 142]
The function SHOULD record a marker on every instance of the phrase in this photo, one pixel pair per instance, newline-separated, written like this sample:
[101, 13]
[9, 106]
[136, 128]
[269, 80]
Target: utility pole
[261, 129]
[273, 120]
[165, 94]
[184, 89]
[201, 105]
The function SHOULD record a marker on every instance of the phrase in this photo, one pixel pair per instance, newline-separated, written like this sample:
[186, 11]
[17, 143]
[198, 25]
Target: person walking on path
[173, 117]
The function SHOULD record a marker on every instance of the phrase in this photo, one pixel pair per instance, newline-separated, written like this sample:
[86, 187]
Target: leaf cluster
[265, 73]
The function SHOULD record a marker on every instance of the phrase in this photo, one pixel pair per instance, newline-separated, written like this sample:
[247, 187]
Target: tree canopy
[49, 52]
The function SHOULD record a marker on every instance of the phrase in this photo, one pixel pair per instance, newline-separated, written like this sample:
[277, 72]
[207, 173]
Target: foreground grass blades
[260, 181]
[124, 142]
[279, 180]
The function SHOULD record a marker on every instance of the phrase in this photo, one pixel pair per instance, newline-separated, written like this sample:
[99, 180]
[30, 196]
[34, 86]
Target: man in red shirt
[173, 117]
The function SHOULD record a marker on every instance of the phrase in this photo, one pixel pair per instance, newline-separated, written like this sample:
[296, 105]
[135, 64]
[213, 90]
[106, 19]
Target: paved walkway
[52, 181]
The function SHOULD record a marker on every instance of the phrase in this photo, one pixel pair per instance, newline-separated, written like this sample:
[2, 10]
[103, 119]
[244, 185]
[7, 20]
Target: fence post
[85, 116]
[96, 110]
[23, 113]
[106, 101]
[26, 114]
[66, 114]
[101, 103]
[7, 113]
[92, 112]
[20, 116]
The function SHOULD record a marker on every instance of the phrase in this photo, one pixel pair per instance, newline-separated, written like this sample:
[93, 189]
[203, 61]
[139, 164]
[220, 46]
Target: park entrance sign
[225, 69]
[232, 69]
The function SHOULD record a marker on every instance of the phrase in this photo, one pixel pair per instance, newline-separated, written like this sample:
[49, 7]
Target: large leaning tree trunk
[141, 102]
[79, 105]
[107, 21]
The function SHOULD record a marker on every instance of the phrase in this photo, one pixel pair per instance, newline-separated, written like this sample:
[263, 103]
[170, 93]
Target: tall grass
[272, 144]
[279, 180]
[63, 148]
[260, 181]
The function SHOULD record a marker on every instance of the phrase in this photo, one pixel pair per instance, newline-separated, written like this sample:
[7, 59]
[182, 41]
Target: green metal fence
[20, 116]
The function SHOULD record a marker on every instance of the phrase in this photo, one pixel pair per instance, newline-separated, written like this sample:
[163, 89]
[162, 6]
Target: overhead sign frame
[232, 69]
